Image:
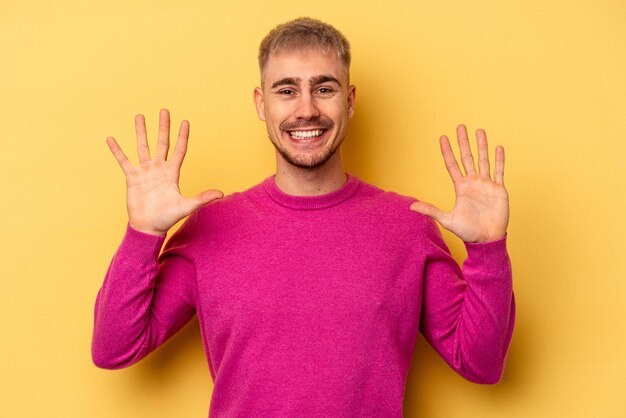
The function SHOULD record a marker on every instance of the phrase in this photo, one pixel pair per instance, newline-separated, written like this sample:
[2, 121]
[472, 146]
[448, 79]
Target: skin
[153, 199]
[307, 90]
[481, 209]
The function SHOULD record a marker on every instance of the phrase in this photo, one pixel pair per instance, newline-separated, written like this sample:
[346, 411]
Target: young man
[311, 287]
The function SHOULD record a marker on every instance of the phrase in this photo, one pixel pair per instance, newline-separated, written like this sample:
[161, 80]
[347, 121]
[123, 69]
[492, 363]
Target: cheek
[276, 116]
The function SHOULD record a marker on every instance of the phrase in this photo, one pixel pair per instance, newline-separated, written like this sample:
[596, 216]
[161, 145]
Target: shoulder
[389, 203]
[232, 208]
[389, 213]
[215, 218]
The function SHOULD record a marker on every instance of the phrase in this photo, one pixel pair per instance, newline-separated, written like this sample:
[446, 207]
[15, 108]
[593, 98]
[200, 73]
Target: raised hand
[153, 199]
[481, 210]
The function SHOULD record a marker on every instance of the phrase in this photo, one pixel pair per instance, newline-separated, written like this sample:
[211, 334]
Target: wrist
[488, 239]
[487, 233]
[148, 231]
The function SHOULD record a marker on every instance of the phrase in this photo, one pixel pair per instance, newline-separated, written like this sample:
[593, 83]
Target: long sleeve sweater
[308, 306]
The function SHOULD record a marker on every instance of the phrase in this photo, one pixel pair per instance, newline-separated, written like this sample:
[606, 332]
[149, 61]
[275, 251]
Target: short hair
[301, 33]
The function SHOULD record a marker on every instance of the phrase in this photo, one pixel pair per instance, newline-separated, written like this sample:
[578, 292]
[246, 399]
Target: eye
[285, 92]
[325, 90]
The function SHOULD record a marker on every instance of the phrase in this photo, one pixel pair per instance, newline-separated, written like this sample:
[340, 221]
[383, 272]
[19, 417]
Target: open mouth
[306, 135]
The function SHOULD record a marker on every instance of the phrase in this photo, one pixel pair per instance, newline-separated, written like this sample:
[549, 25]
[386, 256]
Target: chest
[314, 273]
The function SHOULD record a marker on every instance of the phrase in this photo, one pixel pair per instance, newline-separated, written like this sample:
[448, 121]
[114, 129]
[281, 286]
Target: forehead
[303, 64]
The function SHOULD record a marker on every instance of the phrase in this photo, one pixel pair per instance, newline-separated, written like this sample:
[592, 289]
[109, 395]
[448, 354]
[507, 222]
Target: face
[305, 102]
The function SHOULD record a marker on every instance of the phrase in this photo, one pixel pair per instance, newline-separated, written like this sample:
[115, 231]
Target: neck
[317, 181]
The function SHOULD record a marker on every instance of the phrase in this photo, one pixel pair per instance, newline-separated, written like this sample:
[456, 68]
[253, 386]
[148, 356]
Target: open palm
[153, 198]
[481, 209]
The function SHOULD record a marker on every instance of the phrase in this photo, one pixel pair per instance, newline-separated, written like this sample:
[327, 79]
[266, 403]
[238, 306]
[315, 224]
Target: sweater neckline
[311, 202]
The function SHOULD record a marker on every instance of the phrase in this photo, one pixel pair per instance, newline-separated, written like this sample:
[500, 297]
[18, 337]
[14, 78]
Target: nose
[306, 107]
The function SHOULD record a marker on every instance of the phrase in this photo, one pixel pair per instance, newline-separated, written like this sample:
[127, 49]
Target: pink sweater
[308, 306]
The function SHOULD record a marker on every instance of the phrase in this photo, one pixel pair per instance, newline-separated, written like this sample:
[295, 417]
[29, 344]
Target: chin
[308, 161]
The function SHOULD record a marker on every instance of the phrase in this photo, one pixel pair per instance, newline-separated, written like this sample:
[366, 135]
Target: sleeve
[145, 298]
[468, 314]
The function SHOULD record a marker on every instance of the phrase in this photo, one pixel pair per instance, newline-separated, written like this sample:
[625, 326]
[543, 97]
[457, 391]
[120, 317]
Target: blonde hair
[302, 33]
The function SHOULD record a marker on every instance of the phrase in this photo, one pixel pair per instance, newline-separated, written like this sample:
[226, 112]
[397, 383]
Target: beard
[307, 161]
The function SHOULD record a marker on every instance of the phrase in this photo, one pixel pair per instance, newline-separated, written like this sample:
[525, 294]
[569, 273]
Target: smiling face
[305, 101]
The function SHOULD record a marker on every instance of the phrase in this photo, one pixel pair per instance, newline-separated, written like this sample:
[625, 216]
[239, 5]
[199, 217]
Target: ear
[351, 100]
[259, 102]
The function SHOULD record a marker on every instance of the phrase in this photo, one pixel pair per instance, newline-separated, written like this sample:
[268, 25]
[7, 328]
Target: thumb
[430, 210]
[203, 198]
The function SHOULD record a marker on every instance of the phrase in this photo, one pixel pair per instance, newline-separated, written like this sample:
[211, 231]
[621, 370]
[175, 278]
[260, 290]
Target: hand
[153, 199]
[481, 210]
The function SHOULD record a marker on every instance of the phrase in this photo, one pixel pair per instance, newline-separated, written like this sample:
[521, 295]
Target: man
[310, 287]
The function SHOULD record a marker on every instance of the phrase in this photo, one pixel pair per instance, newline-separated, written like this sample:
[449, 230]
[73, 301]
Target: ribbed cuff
[137, 244]
[492, 255]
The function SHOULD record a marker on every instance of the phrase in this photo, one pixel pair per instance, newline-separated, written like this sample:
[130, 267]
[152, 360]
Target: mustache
[323, 123]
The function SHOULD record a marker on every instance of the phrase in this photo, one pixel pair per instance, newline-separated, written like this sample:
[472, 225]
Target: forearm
[471, 318]
[489, 312]
[138, 306]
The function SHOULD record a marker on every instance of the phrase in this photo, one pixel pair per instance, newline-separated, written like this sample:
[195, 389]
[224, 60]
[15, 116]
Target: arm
[468, 314]
[145, 298]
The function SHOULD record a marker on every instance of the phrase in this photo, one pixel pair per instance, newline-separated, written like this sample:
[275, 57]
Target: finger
[202, 199]
[464, 148]
[449, 159]
[142, 140]
[431, 211]
[119, 155]
[483, 153]
[163, 141]
[180, 149]
[498, 171]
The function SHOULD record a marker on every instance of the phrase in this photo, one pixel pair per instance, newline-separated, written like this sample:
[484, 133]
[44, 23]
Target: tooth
[306, 134]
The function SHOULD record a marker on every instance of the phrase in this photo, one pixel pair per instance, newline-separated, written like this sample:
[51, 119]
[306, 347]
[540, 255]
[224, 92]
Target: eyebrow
[287, 81]
[294, 81]
[324, 79]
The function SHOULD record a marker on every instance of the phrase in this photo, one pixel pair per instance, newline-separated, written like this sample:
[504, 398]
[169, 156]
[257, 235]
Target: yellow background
[547, 79]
